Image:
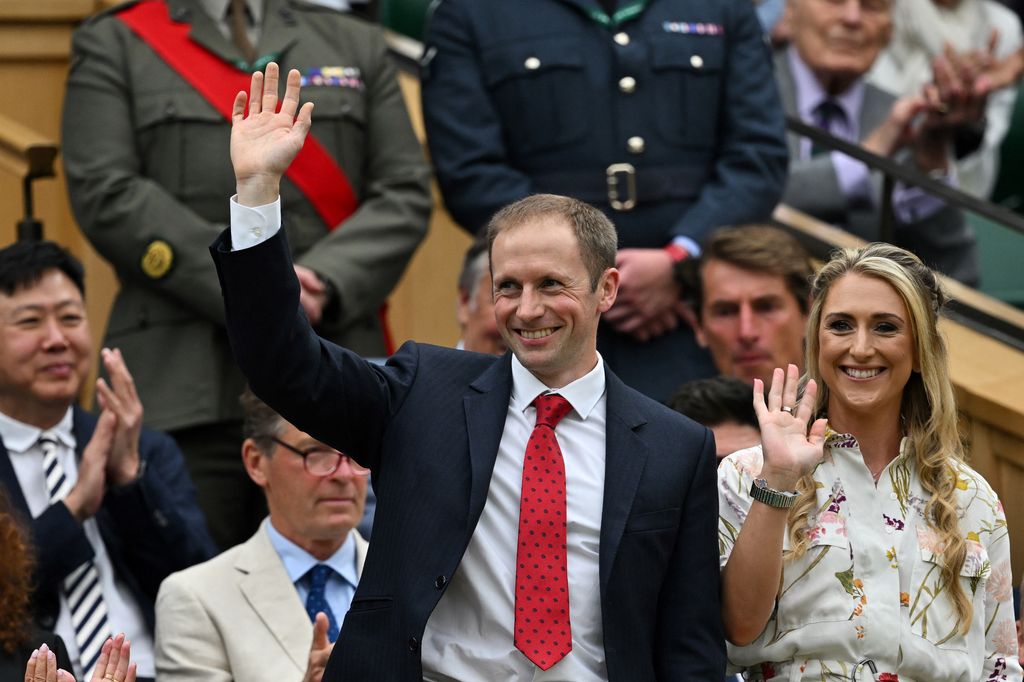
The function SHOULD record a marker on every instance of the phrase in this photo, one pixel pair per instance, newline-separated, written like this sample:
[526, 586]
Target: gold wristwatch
[780, 499]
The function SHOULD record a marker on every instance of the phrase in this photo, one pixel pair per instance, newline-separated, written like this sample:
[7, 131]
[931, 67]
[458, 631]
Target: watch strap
[780, 499]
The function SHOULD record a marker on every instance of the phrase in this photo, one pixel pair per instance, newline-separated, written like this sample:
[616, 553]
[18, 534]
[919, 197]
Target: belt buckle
[613, 173]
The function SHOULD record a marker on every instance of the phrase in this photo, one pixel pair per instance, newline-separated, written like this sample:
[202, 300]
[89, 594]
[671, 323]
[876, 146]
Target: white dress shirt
[469, 634]
[22, 443]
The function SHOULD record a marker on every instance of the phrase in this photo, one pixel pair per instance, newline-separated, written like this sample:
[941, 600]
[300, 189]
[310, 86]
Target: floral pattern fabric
[865, 601]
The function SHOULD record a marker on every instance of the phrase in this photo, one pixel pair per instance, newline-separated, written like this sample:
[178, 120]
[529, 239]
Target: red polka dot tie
[543, 632]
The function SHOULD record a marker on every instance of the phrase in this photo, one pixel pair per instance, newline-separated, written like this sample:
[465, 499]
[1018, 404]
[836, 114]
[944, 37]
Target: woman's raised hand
[790, 448]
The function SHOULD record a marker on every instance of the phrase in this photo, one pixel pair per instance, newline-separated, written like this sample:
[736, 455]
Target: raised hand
[319, 650]
[790, 450]
[120, 398]
[264, 142]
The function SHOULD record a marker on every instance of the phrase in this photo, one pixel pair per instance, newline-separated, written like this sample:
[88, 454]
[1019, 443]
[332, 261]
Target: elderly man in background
[112, 509]
[245, 615]
[821, 78]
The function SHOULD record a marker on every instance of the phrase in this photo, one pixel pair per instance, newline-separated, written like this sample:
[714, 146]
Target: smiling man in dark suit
[589, 557]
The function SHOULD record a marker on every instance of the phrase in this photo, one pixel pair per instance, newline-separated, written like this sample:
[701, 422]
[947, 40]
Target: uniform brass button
[627, 84]
[532, 63]
[636, 144]
[621, 38]
[696, 61]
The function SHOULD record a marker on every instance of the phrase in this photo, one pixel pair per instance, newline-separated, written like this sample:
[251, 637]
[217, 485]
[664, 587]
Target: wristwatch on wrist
[780, 499]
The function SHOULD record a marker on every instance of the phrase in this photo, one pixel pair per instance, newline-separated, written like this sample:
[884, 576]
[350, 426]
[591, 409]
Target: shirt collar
[809, 93]
[19, 437]
[218, 9]
[583, 394]
[298, 561]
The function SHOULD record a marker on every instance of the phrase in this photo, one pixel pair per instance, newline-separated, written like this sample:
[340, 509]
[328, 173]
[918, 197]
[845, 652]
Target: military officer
[663, 113]
[147, 163]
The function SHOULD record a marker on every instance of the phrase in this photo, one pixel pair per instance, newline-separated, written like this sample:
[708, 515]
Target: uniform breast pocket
[339, 124]
[183, 143]
[820, 586]
[688, 72]
[932, 614]
[539, 88]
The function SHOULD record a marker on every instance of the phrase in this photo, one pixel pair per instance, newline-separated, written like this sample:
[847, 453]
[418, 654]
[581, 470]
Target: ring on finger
[941, 108]
[110, 676]
[788, 410]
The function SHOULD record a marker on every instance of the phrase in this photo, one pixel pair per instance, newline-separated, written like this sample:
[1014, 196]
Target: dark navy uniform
[665, 115]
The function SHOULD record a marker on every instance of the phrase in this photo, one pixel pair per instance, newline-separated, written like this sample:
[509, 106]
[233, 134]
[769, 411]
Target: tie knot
[827, 113]
[551, 407]
[47, 441]
[318, 576]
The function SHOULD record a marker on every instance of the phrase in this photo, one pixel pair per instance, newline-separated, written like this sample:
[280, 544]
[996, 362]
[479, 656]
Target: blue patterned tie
[316, 601]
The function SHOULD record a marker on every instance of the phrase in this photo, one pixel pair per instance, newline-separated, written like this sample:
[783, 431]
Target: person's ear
[255, 461]
[607, 289]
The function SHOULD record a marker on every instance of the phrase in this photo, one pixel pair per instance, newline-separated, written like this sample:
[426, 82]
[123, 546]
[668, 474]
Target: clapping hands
[114, 664]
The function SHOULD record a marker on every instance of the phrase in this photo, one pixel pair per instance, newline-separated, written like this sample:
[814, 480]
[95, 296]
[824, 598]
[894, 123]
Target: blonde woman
[858, 545]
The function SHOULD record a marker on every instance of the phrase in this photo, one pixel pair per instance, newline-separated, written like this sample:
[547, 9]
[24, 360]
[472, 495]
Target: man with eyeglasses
[246, 614]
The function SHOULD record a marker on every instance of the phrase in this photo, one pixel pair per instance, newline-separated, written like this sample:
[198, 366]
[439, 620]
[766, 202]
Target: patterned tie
[316, 601]
[542, 629]
[827, 116]
[82, 586]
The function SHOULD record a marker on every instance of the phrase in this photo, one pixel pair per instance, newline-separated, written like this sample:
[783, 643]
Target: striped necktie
[82, 586]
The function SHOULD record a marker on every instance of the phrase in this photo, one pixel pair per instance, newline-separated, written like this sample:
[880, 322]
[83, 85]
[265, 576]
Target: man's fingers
[270, 88]
[290, 103]
[238, 108]
[256, 93]
[304, 120]
[320, 626]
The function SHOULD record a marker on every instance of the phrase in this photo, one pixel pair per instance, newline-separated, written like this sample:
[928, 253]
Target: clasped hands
[111, 458]
[113, 665]
[926, 122]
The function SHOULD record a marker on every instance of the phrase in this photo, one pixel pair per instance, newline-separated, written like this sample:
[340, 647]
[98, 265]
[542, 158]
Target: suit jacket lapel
[787, 91]
[486, 406]
[273, 598]
[9, 481]
[625, 456]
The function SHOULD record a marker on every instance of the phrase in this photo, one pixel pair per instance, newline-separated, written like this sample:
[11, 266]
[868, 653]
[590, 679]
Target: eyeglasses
[323, 461]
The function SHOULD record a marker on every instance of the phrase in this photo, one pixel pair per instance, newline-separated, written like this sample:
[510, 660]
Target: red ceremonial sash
[313, 171]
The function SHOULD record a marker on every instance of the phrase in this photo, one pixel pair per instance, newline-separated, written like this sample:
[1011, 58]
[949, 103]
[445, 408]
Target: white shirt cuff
[252, 225]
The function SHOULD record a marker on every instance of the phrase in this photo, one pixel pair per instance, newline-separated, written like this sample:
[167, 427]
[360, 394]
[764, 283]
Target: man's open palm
[266, 140]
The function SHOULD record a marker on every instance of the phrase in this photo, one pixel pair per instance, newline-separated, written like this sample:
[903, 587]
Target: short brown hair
[761, 248]
[594, 232]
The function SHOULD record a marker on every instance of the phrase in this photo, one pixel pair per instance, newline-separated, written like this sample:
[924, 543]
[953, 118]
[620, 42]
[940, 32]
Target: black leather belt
[623, 186]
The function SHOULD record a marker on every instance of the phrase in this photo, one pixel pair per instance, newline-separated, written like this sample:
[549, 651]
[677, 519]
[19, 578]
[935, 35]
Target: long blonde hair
[928, 406]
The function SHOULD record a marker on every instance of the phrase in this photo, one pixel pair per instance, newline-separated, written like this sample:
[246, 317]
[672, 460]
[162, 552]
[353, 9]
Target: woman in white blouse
[858, 545]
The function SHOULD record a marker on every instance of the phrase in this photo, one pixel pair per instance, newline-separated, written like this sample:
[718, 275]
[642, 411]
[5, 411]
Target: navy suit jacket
[428, 424]
[151, 527]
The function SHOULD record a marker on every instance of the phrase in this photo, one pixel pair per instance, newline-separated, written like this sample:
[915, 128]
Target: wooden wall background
[34, 47]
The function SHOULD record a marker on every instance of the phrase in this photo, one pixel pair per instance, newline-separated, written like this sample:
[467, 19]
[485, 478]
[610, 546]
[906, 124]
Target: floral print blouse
[864, 602]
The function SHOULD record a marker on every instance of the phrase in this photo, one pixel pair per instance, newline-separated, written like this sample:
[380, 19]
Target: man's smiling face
[546, 309]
